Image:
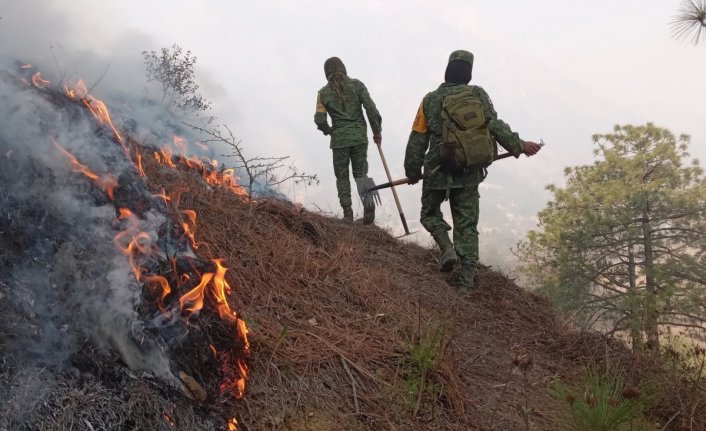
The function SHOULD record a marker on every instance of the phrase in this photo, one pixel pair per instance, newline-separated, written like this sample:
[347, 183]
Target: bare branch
[268, 171]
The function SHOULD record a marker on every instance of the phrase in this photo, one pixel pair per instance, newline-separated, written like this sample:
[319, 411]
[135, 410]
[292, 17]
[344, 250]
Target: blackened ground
[351, 329]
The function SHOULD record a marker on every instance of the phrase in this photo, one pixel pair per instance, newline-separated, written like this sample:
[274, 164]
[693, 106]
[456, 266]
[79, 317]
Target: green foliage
[686, 357]
[605, 402]
[623, 243]
[422, 360]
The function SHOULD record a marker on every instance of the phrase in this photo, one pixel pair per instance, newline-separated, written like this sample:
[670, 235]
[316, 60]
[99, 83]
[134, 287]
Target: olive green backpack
[466, 141]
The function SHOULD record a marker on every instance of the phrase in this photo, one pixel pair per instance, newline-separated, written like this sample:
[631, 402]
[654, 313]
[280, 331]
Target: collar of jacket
[450, 84]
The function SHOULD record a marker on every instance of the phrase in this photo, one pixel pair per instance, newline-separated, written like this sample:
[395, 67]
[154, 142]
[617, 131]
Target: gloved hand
[414, 178]
[531, 148]
[325, 129]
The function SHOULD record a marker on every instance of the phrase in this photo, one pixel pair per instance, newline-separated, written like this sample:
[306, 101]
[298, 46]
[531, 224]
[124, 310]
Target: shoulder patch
[319, 106]
[420, 121]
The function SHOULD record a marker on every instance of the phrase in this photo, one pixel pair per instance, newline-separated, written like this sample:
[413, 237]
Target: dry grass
[334, 310]
[339, 317]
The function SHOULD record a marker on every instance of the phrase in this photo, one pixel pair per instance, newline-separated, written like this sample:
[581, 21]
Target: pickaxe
[406, 180]
[368, 190]
[372, 190]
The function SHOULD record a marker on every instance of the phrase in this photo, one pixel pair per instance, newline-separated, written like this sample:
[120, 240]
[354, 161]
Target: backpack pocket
[466, 141]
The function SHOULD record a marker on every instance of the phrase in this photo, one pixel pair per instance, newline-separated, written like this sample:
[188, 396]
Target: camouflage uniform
[349, 138]
[461, 190]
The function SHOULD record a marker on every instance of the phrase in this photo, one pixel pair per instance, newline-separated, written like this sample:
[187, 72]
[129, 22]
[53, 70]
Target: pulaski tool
[369, 195]
[368, 189]
[394, 192]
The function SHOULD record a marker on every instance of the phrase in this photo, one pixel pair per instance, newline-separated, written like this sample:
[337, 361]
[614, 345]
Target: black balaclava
[458, 72]
[460, 67]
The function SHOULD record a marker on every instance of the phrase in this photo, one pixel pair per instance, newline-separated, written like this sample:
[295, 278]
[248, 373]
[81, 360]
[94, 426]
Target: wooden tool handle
[394, 192]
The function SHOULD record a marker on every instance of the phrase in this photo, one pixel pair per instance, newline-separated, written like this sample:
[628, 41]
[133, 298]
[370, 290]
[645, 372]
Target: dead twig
[353, 385]
[360, 369]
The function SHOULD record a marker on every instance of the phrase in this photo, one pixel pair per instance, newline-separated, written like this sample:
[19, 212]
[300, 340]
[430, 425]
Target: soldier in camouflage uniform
[461, 190]
[343, 99]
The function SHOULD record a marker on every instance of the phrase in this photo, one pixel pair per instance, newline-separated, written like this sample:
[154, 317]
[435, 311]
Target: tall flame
[209, 169]
[79, 92]
[193, 300]
[132, 241]
[106, 182]
[140, 169]
[190, 226]
[135, 243]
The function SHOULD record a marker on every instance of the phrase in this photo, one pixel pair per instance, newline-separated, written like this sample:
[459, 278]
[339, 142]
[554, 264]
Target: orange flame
[221, 288]
[168, 419]
[232, 424]
[162, 283]
[243, 333]
[190, 226]
[132, 241]
[38, 81]
[243, 368]
[180, 142]
[105, 182]
[166, 153]
[79, 92]
[140, 169]
[195, 297]
[163, 195]
[218, 290]
[208, 169]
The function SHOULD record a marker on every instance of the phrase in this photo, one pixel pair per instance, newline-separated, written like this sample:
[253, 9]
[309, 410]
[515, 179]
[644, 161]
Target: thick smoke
[42, 34]
[61, 276]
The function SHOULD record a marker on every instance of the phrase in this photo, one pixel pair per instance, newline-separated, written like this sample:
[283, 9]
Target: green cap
[461, 55]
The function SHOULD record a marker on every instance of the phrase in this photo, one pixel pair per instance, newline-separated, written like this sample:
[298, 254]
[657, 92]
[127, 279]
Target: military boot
[448, 253]
[466, 274]
[369, 213]
[348, 214]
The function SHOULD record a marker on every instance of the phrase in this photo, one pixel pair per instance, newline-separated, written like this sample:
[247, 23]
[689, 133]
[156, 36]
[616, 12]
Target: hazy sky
[555, 69]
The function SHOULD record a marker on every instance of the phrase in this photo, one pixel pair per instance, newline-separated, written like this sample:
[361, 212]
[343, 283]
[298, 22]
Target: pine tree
[623, 243]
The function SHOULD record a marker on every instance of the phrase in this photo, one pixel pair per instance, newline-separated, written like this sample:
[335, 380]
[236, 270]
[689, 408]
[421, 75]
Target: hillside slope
[125, 296]
[331, 306]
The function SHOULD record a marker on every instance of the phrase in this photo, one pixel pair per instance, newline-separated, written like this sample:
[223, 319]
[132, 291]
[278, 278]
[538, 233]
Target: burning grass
[350, 329]
[356, 329]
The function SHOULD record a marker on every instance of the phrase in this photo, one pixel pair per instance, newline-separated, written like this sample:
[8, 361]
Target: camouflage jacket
[349, 127]
[425, 139]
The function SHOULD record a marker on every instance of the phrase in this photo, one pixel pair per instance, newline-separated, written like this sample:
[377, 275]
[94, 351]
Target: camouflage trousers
[357, 157]
[464, 202]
